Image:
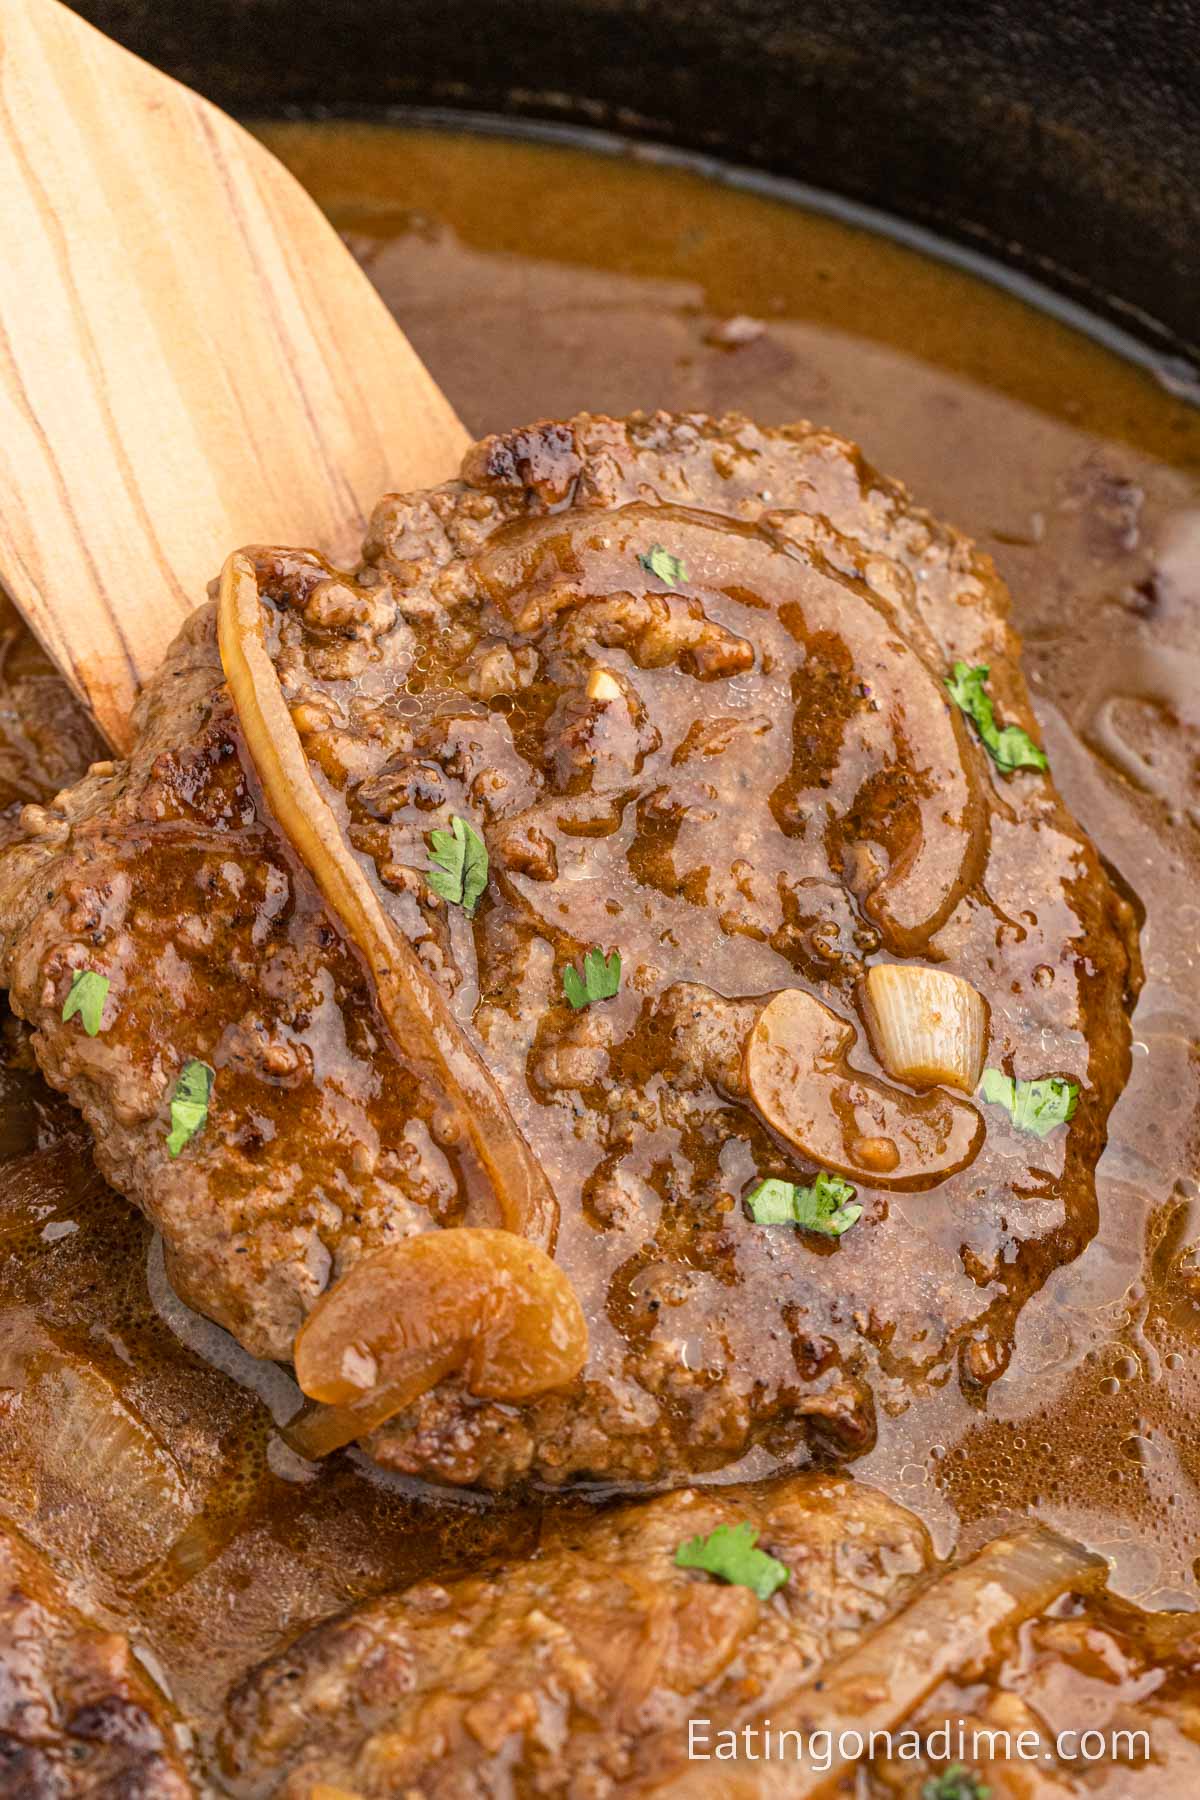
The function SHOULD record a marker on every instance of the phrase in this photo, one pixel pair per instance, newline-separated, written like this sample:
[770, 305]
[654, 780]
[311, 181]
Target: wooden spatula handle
[189, 358]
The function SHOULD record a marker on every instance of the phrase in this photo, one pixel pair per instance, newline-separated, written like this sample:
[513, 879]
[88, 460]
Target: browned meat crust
[543, 1677]
[46, 738]
[780, 796]
[77, 1714]
[576, 1671]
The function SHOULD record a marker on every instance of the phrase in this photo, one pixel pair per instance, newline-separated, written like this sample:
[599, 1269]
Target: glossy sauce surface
[536, 280]
[776, 754]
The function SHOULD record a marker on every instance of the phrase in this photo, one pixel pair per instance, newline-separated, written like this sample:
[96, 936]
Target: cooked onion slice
[427, 1036]
[603, 686]
[950, 1624]
[800, 1080]
[926, 1025]
[76, 1449]
[486, 1302]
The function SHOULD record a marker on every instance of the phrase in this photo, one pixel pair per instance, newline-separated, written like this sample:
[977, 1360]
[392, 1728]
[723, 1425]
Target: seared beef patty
[544, 1678]
[78, 1716]
[576, 1671]
[685, 678]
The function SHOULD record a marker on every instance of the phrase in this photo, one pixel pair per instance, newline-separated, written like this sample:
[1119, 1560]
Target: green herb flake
[458, 862]
[601, 979]
[828, 1206]
[1034, 1106]
[87, 996]
[729, 1553]
[1008, 746]
[956, 1782]
[773, 1202]
[660, 562]
[189, 1104]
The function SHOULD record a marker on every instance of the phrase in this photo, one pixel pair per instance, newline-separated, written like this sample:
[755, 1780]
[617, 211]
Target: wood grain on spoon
[189, 357]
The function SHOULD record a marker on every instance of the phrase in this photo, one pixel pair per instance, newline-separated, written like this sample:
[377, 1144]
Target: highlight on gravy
[600, 1124]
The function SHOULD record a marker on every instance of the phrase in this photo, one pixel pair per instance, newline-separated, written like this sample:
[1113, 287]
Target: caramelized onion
[801, 1082]
[876, 1685]
[926, 1025]
[84, 1452]
[603, 686]
[425, 1032]
[486, 1302]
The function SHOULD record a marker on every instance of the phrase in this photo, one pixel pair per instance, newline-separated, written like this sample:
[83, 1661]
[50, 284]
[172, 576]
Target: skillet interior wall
[1062, 137]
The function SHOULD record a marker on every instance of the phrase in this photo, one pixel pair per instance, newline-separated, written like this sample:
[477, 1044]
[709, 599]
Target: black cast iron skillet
[1062, 136]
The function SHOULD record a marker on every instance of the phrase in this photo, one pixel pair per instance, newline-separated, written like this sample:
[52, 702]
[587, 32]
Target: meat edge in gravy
[522, 650]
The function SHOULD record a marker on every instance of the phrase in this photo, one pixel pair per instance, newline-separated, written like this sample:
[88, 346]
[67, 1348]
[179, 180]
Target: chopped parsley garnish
[828, 1206]
[1008, 746]
[458, 868]
[728, 1552]
[87, 996]
[660, 562]
[1035, 1106]
[601, 979]
[189, 1104]
[956, 1782]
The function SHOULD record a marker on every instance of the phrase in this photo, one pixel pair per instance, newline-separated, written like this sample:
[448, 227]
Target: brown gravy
[540, 279]
[536, 280]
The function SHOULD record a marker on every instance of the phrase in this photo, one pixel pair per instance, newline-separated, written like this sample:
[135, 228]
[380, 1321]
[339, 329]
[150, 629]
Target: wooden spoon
[189, 358]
